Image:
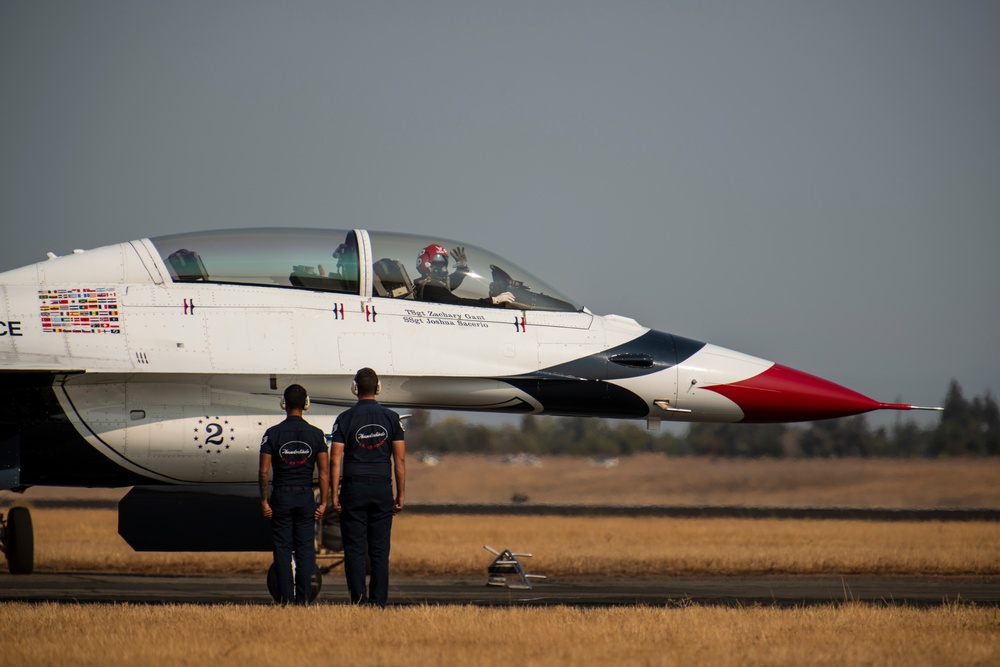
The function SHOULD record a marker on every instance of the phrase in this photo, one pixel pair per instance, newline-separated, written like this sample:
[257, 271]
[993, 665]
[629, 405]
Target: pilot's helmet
[433, 261]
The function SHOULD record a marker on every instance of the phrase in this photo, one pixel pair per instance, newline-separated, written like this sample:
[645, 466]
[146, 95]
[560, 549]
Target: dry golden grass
[51, 634]
[87, 540]
[846, 633]
[659, 546]
[651, 479]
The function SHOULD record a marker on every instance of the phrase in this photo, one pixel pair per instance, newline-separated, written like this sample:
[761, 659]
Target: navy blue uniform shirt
[367, 431]
[293, 445]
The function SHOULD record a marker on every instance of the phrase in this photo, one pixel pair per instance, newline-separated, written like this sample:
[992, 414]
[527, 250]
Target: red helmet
[433, 259]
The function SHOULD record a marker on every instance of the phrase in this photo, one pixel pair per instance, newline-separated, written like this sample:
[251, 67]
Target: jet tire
[20, 541]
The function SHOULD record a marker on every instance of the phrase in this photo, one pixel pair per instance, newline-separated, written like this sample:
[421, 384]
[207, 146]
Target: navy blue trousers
[293, 531]
[365, 525]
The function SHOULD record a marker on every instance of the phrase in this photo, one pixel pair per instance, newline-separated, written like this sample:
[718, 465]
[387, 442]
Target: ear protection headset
[354, 387]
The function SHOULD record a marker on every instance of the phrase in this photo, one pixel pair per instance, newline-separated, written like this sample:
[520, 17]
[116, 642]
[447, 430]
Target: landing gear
[272, 581]
[17, 540]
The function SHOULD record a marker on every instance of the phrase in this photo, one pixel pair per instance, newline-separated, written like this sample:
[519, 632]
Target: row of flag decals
[79, 310]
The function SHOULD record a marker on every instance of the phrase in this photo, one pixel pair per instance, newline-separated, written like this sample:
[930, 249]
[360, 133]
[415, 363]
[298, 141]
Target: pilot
[434, 283]
[346, 255]
[346, 269]
[294, 448]
[369, 437]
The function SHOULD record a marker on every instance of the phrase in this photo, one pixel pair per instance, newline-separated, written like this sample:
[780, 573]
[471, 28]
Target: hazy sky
[813, 183]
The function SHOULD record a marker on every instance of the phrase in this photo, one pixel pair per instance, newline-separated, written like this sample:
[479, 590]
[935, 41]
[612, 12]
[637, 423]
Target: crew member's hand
[506, 297]
[397, 506]
[461, 261]
[336, 504]
[266, 508]
[318, 514]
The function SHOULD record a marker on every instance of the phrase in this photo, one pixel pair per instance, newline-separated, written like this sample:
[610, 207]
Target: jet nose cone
[782, 394]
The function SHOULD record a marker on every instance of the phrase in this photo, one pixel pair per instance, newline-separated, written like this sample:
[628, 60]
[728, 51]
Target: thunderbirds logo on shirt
[371, 436]
[295, 453]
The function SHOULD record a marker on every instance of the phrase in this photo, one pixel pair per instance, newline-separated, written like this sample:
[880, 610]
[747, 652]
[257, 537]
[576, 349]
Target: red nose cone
[782, 394]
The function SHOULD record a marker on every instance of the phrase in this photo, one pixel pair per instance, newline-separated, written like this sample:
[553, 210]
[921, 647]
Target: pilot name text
[444, 319]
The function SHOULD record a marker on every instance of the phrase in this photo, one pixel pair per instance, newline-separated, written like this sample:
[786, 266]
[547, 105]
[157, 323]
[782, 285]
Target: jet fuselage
[162, 360]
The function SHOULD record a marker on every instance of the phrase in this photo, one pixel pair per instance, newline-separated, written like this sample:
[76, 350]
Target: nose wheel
[17, 540]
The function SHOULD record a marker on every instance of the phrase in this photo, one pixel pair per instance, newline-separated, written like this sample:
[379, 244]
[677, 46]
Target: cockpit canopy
[402, 266]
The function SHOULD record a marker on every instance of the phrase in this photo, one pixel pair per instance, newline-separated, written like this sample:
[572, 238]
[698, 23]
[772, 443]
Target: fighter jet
[158, 363]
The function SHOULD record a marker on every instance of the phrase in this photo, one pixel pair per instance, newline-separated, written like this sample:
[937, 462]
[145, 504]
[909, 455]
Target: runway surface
[666, 511]
[780, 591]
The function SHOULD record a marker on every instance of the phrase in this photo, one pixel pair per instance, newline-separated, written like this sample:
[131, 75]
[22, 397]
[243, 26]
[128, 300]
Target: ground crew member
[294, 448]
[370, 439]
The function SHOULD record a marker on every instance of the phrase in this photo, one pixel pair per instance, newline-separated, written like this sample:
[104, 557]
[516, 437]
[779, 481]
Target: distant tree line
[967, 428]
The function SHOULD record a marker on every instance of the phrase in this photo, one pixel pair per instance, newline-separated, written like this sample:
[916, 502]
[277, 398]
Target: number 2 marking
[214, 436]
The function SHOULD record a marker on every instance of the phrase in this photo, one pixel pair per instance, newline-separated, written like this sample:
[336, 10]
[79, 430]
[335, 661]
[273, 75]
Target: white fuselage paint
[184, 390]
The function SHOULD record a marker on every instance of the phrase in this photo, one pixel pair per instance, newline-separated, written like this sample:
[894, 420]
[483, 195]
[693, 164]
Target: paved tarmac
[539, 509]
[779, 591]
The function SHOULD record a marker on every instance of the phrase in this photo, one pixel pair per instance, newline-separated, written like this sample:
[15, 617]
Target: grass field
[651, 479]
[841, 634]
[87, 541]
[836, 634]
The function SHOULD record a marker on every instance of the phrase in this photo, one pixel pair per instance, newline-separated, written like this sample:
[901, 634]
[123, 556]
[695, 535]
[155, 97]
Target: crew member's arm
[265, 466]
[323, 462]
[336, 456]
[399, 467]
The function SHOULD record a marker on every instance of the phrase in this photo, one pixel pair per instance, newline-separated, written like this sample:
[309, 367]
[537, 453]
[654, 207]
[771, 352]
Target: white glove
[461, 261]
[506, 297]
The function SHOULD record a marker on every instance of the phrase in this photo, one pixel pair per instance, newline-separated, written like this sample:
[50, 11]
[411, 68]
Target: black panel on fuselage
[584, 391]
[576, 398]
[52, 453]
[649, 353]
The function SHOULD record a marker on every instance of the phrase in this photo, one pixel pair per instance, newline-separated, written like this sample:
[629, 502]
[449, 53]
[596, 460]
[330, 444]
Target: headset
[354, 386]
